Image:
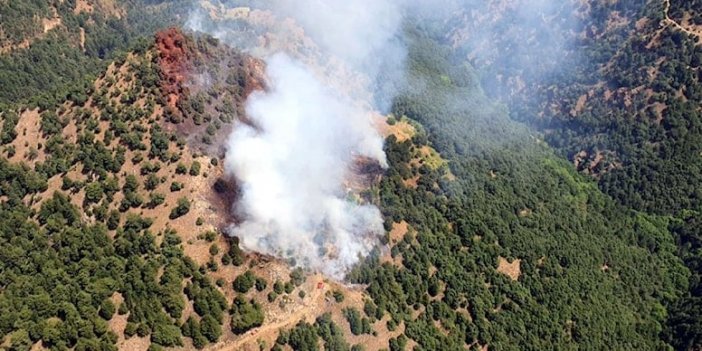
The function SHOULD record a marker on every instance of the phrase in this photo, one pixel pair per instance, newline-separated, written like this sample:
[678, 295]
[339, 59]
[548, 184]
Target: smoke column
[292, 170]
[293, 164]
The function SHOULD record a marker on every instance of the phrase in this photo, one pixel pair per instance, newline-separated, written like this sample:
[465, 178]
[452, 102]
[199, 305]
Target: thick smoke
[364, 34]
[307, 133]
[292, 169]
[312, 124]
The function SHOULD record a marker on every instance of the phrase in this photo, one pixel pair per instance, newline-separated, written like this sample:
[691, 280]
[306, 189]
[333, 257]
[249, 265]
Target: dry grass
[511, 269]
[83, 6]
[398, 231]
[579, 105]
[29, 138]
[411, 182]
[109, 7]
[396, 234]
[118, 322]
[37, 346]
[401, 129]
[135, 343]
[82, 38]
[430, 157]
[50, 23]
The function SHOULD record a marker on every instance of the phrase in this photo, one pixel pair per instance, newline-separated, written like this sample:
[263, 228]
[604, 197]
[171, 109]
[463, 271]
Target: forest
[57, 66]
[624, 110]
[562, 215]
[583, 277]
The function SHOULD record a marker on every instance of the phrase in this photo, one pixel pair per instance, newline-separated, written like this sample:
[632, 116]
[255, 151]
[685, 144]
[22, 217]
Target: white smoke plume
[364, 34]
[293, 164]
[292, 169]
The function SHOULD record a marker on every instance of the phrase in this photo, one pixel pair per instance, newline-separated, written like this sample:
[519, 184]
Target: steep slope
[585, 264]
[114, 208]
[51, 50]
[113, 204]
[505, 246]
[621, 104]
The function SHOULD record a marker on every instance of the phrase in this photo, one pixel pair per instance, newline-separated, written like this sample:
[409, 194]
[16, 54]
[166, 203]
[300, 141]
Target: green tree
[210, 328]
[93, 192]
[246, 315]
[166, 335]
[181, 209]
[195, 168]
[244, 282]
[107, 309]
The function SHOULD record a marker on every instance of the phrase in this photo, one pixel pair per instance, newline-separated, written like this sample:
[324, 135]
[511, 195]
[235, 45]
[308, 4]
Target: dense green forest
[620, 98]
[55, 66]
[593, 273]
[67, 267]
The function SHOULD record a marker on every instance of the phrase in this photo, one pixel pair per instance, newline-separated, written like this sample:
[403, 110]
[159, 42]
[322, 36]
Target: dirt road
[670, 21]
[308, 310]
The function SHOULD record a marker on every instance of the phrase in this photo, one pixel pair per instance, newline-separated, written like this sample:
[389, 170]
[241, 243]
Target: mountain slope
[51, 50]
[113, 198]
[621, 103]
[591, 272]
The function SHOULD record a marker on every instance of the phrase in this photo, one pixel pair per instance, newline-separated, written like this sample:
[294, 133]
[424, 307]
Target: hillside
[527, 204]
[126, 187]
[624, 109]
[54, 50]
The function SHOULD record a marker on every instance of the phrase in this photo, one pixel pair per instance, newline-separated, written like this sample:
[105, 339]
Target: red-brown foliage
[175, 60]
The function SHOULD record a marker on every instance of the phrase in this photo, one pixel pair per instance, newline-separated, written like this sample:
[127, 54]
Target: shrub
[243, 283]
[176, 186]
[195, 168]
[182, 208]
[107, 309]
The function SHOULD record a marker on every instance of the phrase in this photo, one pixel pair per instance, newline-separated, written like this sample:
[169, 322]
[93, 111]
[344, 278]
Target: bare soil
[511, 269]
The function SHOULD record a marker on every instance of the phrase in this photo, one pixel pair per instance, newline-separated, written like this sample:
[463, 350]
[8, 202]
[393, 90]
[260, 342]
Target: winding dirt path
[308, 311]
[670, 21]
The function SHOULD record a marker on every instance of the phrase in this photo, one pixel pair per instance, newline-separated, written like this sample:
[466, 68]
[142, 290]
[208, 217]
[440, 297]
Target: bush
[261, 284]
[122, 309]
[210, 328]
[236, 254]
[130, 329]
[246, 315]
[152, 181]
[226, 259]
[181, 168]
[297, 276]
[181, 209]
[243, 283]
[93, 192]
[107, 309]
[176, 186]
[156, 199]
[113, 220]
[278, 287]
[195, 168]
[167, 335]
[338, 296]
[358, 325]
[209, 236]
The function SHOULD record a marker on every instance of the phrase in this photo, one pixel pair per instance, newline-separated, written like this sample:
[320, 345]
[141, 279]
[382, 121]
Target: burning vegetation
[204, 86]
[175, 61]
